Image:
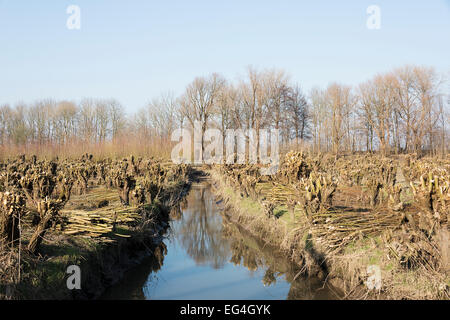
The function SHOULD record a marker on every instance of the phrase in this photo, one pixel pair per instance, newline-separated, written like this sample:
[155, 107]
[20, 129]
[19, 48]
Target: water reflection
[253, 254]
[133, 284]
[208, 257]
[199, 231]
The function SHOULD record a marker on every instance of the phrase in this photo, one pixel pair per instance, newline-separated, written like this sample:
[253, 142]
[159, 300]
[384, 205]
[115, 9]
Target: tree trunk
[9, 227]
[38, 235]
[11, 206]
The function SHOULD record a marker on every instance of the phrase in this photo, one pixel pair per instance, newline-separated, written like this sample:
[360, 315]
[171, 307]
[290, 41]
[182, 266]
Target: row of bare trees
[263, 99]
[404, 110]
[49, 121]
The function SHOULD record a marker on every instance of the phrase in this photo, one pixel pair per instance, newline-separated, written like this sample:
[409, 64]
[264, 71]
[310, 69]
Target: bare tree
[102, 120]
[18, 128]
[426, 84]
[163, 114]
[87, 123]
[5, 116]
[39, 118]
[226, 105]
[117, 117]
[197, 103]
[339, 100]
[319, 118]
[376, 99]
[297, 112]
[64, 121]
[401, 110]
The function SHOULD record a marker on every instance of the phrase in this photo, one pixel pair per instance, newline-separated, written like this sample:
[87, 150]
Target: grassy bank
[349, 269]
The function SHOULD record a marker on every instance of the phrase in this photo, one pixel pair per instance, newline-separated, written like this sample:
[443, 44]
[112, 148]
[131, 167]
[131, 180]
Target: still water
[206, 257]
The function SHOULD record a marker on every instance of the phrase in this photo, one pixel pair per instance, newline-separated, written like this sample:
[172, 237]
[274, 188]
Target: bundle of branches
[361, 170]
[98, 222]
[336, 229]
[313, 194]
[280, 193]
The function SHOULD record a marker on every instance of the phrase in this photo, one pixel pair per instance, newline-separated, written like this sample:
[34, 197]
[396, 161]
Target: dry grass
[9, 272]
[120, 147]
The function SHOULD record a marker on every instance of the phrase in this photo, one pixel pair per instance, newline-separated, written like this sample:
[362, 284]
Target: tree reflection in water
[253, 254]
[209, 239]
[199, 231]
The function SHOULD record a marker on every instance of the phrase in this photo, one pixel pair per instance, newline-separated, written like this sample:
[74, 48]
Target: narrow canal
[206, 257]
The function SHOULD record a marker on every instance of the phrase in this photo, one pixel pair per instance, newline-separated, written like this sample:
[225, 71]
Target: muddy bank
[105, 267]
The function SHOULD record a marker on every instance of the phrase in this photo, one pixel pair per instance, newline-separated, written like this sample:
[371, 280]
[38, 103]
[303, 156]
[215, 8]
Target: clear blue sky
[134, 50]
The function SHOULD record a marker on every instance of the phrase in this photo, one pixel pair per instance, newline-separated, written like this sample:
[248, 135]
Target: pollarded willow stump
[48, 214]
[291, 208]
[11, 208]
[268, 208]
[126, 184]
